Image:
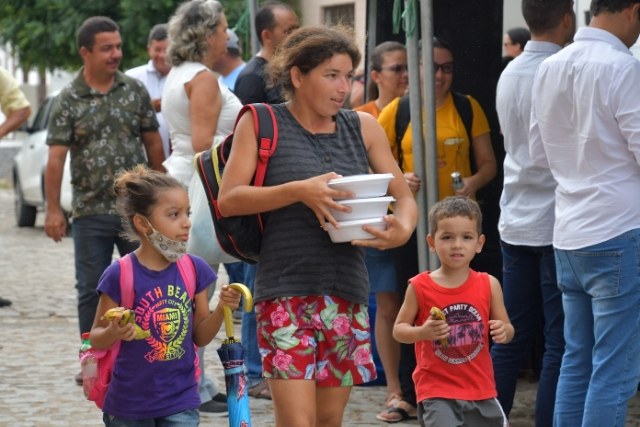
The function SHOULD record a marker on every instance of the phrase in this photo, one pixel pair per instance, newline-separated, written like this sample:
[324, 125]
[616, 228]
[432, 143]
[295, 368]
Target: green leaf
[329, 314]
[284, 337]
[347, 379]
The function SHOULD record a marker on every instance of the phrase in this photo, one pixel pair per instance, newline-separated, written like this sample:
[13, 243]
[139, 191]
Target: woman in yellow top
[453, 143]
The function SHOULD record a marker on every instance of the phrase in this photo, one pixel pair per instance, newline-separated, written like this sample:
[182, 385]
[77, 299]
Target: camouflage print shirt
[104, 136]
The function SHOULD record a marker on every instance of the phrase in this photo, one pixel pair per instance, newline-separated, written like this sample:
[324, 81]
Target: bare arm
[55, 224]
[153, 145]
[207, 324]
[404, 330]
[14, 120]
[205, 104]
[500, 326]
[486, 166]
[238, 197]
[103, 332]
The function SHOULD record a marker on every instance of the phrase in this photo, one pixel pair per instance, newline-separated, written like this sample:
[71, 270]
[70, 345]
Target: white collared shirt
[527, 201]
[154, 82]
[585, 127]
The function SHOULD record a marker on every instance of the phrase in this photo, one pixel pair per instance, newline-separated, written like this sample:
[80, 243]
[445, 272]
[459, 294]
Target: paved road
[39, 343]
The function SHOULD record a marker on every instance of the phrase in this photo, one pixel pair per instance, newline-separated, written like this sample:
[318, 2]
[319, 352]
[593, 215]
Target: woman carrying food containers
[310, 292]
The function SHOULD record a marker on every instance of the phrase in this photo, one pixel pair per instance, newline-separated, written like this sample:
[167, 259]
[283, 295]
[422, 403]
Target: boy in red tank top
[449, 314]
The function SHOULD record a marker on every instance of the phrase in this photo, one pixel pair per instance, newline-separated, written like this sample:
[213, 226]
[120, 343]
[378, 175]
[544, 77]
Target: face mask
[170, 249]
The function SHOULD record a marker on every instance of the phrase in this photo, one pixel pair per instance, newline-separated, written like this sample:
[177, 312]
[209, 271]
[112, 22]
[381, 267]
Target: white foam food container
[371, 207]
[363, 186]
[352, 230]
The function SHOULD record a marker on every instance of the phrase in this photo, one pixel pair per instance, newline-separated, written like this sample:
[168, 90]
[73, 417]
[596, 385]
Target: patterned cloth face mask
[168, 248]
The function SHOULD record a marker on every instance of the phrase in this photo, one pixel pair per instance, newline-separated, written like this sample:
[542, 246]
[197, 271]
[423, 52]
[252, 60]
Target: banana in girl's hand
[124, 316]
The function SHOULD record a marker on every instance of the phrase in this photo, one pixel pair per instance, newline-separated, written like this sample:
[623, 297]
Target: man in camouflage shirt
[106, 121]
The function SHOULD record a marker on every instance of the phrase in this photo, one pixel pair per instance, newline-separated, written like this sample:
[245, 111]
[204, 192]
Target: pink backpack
[95, 388]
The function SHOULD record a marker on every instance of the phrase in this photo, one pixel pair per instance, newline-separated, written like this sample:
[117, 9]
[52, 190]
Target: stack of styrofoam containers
[367, 208]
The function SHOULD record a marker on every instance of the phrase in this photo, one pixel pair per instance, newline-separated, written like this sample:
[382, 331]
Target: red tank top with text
[463, 369]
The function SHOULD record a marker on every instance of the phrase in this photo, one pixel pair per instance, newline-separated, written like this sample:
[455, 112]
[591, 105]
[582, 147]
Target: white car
[29, 165]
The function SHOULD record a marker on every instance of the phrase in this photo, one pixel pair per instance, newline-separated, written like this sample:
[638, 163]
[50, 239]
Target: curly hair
[306, 48]
[189, 28]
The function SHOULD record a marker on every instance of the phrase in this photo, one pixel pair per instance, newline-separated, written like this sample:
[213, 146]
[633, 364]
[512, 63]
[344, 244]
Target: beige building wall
[315, 12]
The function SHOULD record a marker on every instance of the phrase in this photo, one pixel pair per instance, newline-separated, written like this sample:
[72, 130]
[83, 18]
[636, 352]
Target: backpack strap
[266, 127]
[188, 274]
[403, 117]
[463, 106]
[126, 281]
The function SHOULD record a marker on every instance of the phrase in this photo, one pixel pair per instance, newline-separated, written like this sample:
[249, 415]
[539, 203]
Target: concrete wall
[313, 14]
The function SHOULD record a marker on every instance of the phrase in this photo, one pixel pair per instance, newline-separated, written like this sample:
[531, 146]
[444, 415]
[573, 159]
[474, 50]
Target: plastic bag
[202, 236]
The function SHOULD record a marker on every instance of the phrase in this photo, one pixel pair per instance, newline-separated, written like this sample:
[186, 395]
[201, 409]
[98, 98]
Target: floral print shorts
[321, 338]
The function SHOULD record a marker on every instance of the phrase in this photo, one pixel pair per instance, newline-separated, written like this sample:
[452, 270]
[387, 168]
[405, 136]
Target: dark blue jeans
[252, 358]
[531, 296]
[94, 237]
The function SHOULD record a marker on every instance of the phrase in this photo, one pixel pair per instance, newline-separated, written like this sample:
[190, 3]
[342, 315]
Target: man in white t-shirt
[585, 128]
[152, 75]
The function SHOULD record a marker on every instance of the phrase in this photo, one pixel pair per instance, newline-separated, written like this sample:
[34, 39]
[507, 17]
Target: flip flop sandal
[404, 415]
[260, 391]
[392, 400]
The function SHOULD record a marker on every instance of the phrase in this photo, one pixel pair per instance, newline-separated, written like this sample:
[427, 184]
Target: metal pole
[372, 38]
[415, 106]
[429, 172]
[253, 9]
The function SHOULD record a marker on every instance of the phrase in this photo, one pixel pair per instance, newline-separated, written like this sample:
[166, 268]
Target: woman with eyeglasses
[389, 76]
[455, 149]
[514, 41]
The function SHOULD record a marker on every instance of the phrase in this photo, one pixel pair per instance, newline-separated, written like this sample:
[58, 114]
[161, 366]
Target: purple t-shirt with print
[155, 377]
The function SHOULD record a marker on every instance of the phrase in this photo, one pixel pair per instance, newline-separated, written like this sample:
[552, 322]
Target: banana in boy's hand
[437, 314]
[124, 316]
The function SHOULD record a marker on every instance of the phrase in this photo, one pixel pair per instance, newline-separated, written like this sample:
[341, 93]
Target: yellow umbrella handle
[228, 315]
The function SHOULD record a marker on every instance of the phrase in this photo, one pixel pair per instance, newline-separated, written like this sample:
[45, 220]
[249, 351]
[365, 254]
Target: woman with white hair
[196, 107]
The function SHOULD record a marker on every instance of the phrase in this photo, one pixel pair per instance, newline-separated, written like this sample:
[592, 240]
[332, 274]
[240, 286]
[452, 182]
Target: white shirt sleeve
[536, 148]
